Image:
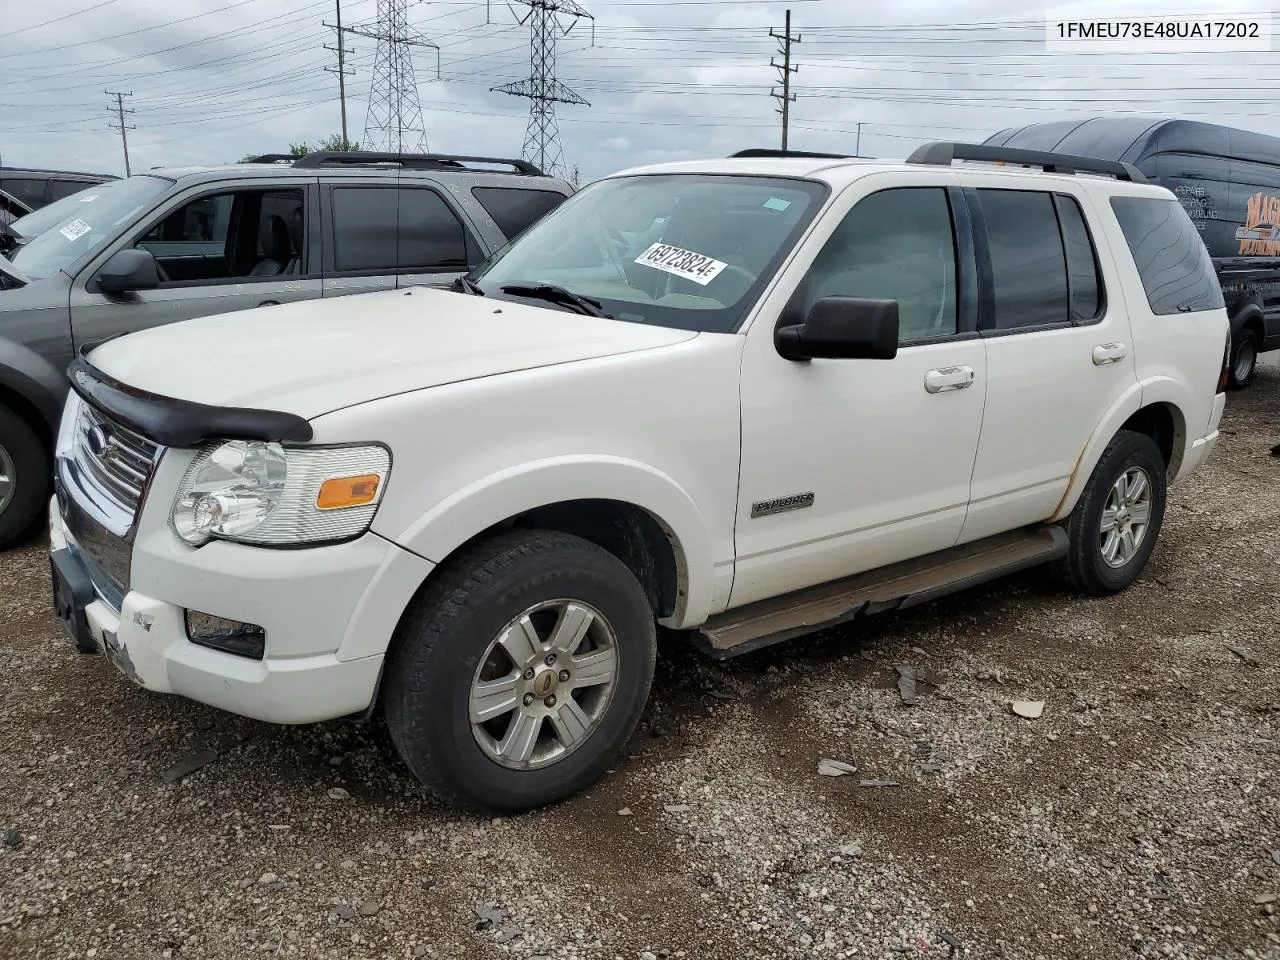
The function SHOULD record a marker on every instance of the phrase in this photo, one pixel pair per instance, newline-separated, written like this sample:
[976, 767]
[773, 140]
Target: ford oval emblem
[96, 440]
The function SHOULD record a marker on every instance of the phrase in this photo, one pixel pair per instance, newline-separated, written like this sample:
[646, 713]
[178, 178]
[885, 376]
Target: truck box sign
[1259, 235]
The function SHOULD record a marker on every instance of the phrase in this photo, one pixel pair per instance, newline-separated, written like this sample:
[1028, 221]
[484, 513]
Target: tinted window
[895, 245]
[1027, 263]
[431, 235]
[1175, 268]
[365, 236]
[513, 210]
[65, 188]
[30, 192]
[1083, 282]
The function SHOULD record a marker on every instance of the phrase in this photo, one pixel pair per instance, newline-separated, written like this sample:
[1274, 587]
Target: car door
[1059, 350]
[383, 235]
[849, 465]
[219, 249]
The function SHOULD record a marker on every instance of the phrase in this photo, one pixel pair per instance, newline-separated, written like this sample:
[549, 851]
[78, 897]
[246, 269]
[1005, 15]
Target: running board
[894, 587]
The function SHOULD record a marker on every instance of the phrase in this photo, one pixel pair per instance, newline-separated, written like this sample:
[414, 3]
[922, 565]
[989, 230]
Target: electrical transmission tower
[542, 138]
[395, 115]
[785, 70]
[119, 124]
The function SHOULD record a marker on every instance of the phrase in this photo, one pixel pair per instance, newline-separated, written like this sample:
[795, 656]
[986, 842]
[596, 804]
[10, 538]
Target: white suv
[744, 398]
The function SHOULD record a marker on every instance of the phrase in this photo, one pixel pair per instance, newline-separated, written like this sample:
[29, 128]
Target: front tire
[24, 477]
[520, 672]
[1113, 528]
[1244, 359]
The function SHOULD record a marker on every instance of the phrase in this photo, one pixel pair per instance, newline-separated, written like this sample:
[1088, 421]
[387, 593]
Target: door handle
[1105, 353]
[949, 378]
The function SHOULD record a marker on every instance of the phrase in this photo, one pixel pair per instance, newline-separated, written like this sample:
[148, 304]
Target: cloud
[213, 80]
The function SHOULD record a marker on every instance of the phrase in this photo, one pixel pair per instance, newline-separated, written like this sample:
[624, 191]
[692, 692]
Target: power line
[65, 16]
[544, 91]
[130, 33]
[120, 125]
[785, 69]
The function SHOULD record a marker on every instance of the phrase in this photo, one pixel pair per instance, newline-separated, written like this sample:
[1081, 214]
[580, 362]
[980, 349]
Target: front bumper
[328, 614]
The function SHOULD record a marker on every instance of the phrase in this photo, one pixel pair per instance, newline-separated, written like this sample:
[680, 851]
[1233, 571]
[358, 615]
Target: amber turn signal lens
[348, 492]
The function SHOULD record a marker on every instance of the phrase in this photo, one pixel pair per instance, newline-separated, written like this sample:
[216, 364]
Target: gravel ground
[1137, 816]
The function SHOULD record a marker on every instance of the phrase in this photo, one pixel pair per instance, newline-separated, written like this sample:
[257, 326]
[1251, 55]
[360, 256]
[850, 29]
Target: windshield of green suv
[34, 224]
[677, 250]
[86, 224]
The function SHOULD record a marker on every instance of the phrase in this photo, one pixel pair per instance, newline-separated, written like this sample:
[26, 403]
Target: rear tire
[24, 477]
[1114, 527]
[494, 693]
[1244, 359]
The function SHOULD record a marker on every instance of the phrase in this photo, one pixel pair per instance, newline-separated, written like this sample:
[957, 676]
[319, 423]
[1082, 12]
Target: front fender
[453, 521]
[35, 379]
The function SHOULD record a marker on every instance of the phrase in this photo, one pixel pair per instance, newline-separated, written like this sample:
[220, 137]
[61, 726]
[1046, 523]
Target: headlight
[263, 493]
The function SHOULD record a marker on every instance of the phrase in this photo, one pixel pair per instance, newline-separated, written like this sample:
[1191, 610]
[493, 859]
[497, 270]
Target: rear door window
[514, 209]
[390, 230]
[1029, 268]
[1172, 261]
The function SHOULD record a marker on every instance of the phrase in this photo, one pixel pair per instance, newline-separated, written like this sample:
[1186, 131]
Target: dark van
[1229, 183]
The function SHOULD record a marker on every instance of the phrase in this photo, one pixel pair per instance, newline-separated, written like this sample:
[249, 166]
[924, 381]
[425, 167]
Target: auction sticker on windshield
[76, 229]
[697, 267]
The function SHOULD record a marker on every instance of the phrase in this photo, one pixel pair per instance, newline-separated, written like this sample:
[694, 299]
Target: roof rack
[769, 152]
[943, 152]
[273, 158]
[413, 161]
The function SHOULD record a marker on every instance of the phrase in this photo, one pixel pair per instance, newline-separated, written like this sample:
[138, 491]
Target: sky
[213, 80]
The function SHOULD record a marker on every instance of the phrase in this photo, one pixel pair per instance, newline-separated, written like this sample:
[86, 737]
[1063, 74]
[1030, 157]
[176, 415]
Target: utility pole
[341, 70]
[785, 40]
[120, 125]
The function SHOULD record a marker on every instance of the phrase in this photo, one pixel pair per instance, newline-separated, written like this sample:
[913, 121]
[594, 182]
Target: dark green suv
[172, 244]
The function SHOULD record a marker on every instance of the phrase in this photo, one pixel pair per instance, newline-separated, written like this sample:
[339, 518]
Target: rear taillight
[1225, 374]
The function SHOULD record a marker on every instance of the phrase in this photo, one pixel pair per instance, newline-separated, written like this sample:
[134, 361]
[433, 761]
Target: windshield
[676, 250]
[34, 224]
[87, 220]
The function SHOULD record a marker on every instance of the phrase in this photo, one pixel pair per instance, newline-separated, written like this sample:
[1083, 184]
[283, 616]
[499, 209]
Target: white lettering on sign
[697, 267]
[76, 229]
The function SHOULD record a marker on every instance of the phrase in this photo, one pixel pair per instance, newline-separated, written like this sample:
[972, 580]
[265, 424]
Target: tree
[333, 142]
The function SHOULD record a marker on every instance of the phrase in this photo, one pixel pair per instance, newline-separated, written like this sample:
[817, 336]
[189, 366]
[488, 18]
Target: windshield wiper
[554, 294]
[463, 285]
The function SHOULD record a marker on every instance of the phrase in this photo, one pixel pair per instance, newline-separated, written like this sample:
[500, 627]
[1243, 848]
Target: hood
[316, 356]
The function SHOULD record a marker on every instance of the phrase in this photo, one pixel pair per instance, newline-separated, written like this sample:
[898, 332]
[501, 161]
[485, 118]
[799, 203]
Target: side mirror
[129, 270]
[845, 328]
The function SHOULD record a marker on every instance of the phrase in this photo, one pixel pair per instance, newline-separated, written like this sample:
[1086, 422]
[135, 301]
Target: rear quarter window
[514, 209]
[1172, 261]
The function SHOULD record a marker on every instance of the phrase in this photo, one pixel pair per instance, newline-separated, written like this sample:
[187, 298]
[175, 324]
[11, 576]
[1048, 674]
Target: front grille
[119, 460]
[103, 469]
